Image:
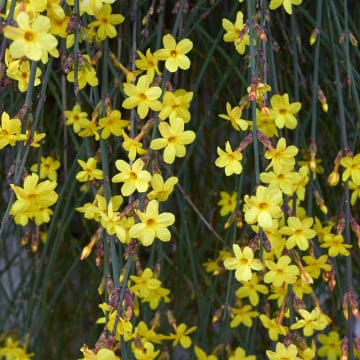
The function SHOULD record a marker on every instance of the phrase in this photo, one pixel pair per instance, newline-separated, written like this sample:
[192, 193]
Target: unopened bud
[352, 39]
[334, 177]
[357, 344]
[323, 100]
[314, 36]
[264, 140]
[344, 349]
[313, 150]
[354, 304]
[355, 227]
[218, 313]
[171, 318]
[25, 238]
[245, 142]
[341, 223]
[320, 201]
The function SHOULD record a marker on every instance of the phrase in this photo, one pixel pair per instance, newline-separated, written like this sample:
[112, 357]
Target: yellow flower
[331, 345]
[352, 168]
[19, 70]
[148, 63]
[152, 224]
[335, 245]
[234, 116]
[89, 128]
[10, 131]
[201, 354]
[176, 105]
[283, 353]
[145, 351]
[113, 224]
[160, 189]
[112, 124]
[250, 289]
[299, 232]
[35, 138]
[264, 207]
[287, 4]
[230, 160]
[102, 354]
[174, 53]
[48, 167]
[148, 289]
[274, 329]
[281, 272]
[132, 176]
[242, 315]
[105, 22]
[33, 200]
[355, 195]
[265, 123]
[227, 202]
[242, 263]
[124, 327]
[283, 178]
[235, 32]
[133, 146]
[147, 334]
[55, 10]
[59, 26]
[281, 157]
[86, 73]
[181, 336]
[173, 139]
[143, 96]
[283, 112]
[89, 171]
[310, 322]
[75, 117]
[314, 266]
[11, 350]
[240, 354]
[31, 39]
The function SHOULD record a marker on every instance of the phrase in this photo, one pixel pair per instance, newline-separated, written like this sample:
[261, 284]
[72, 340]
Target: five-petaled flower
[287, 4]
[230, 160]
[31, 38]
[143, 96]
[33, 200]
[132, 176]
[243, 263]
[263, 207]
[174, 53]
[105, 22]
[152, 224]
[281, 272]
[283, 112]
[173, 139]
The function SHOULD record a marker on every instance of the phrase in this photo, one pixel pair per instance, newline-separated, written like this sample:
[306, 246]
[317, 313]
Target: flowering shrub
[173, 181]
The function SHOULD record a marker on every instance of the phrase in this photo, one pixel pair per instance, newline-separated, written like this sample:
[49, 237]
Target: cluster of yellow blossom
[11, 350]
[288, 250]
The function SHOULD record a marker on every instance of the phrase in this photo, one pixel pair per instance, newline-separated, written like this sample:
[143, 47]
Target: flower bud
[314, 36]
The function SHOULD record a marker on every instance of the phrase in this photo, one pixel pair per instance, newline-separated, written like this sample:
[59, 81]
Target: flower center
[263, 206]
[29, 36]
[150, 222]
[142, 97]
[132, 175]
[173, 53]
[244, 261]
[283, 111]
